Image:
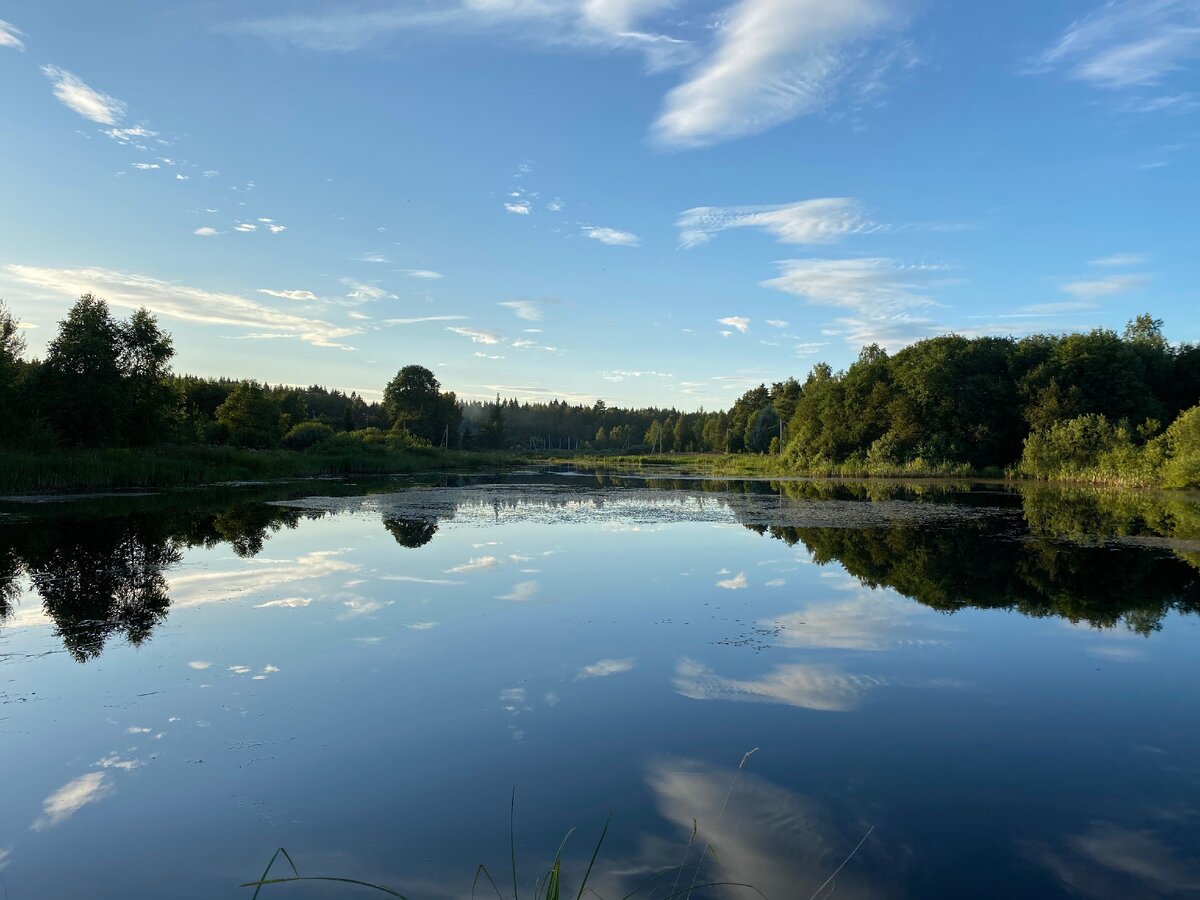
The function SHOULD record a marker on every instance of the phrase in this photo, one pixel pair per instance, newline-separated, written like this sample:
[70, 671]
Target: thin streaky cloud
[824, 220]
[426, 274]
[1104, 287]
[288, 295]
[524, 309]
[418, 319]
[775, 60]
[1128, 44]
[1121, 259]
[476, 336]
[10, 36]
[74, 94]
[175, 301]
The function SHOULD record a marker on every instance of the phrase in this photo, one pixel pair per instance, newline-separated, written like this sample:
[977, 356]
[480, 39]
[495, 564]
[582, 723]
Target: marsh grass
[549, 885]
[64, 470]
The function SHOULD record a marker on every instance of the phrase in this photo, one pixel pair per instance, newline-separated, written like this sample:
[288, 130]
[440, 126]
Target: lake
[820, 689]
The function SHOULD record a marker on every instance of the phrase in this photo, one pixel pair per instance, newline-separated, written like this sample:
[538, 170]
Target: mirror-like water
[997, 690]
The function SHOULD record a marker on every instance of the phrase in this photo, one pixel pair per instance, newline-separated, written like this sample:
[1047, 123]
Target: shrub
[305, 435]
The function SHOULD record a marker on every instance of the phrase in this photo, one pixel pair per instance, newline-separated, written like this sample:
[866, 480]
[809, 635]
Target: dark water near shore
[999, 690]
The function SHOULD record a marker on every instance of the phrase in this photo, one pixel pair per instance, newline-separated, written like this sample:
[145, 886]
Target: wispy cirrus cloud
[529, 310]
[601, 25]
[363, 292]
[1120, 260]
[414, 320]
[1089, 289]
[10, 36]
[74, 94]
[288, 295]
[774, 60]
[175, 301]
[426, 274]
[612, 236]
[824, 220]
[1129, 44]
[865, 285]
[475, 335]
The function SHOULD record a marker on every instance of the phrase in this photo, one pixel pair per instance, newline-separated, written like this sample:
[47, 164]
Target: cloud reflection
[72, 797]
[806, 686]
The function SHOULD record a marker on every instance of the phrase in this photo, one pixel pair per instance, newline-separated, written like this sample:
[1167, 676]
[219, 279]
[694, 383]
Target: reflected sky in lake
[997, 690]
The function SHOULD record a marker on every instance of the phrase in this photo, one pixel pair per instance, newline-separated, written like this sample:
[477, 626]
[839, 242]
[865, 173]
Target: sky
[649, 202]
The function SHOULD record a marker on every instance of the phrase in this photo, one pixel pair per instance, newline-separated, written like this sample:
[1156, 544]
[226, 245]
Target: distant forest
[1047, 405]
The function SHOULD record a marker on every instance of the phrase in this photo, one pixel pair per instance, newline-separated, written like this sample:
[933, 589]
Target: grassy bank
[180, 466]
[752, 465]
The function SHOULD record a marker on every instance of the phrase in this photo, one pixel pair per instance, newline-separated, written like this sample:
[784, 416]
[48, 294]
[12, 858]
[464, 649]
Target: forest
[1095, 406]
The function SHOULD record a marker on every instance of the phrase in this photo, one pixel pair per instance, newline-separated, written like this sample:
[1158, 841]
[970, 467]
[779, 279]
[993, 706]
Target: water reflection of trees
[1073, 560]
[102, 575]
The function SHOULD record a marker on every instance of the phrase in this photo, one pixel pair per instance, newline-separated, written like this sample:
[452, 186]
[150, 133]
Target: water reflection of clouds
[606, 667]
[91, 787]
[198, 588]
[475, 564]
[805, 686]
[736, 583]
[870, 620]
[1114, 861]
[781, 842]
[522, 592]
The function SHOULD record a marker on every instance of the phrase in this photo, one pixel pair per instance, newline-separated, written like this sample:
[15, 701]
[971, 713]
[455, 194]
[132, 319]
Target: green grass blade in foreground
[375, 887]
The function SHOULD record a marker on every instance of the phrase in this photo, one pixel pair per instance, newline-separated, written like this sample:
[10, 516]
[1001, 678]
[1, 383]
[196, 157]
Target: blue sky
[643, 201]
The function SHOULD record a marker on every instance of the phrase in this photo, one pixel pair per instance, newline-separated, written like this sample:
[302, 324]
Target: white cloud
[89, 103]
[245, 227]
[612, 236]
[372, 257]
[605, 667]
[741, 323]
[1128, 44]
[777, 323]
[146, 166]
[199, 665]
[619, 375]
[1121, 259]
[524, 309]
[520, 207]
[736, 583]
[590, 24]
[131, 134]
[863, 285]
[10, 36]
[824, 220]
[175, 301]
[276, 228]
[363, 292]
[206, 231]
[285, 603]
[72, 797]
[289, 295]
[1104, 287]
[775, 60]
[476, 336]
[427, 274]
[418, 319]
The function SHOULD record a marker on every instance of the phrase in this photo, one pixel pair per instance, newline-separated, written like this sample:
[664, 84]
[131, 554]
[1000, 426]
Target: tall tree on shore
[12, 345]
[82, 392]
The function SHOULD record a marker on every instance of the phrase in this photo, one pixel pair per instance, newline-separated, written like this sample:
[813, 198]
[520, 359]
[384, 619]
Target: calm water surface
[999, 691]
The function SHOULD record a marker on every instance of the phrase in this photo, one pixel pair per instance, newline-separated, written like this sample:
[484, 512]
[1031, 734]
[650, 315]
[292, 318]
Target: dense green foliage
[1088, 406]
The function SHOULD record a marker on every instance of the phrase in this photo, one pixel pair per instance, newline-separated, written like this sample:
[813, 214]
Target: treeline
[1094, 405]
[556, 425]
